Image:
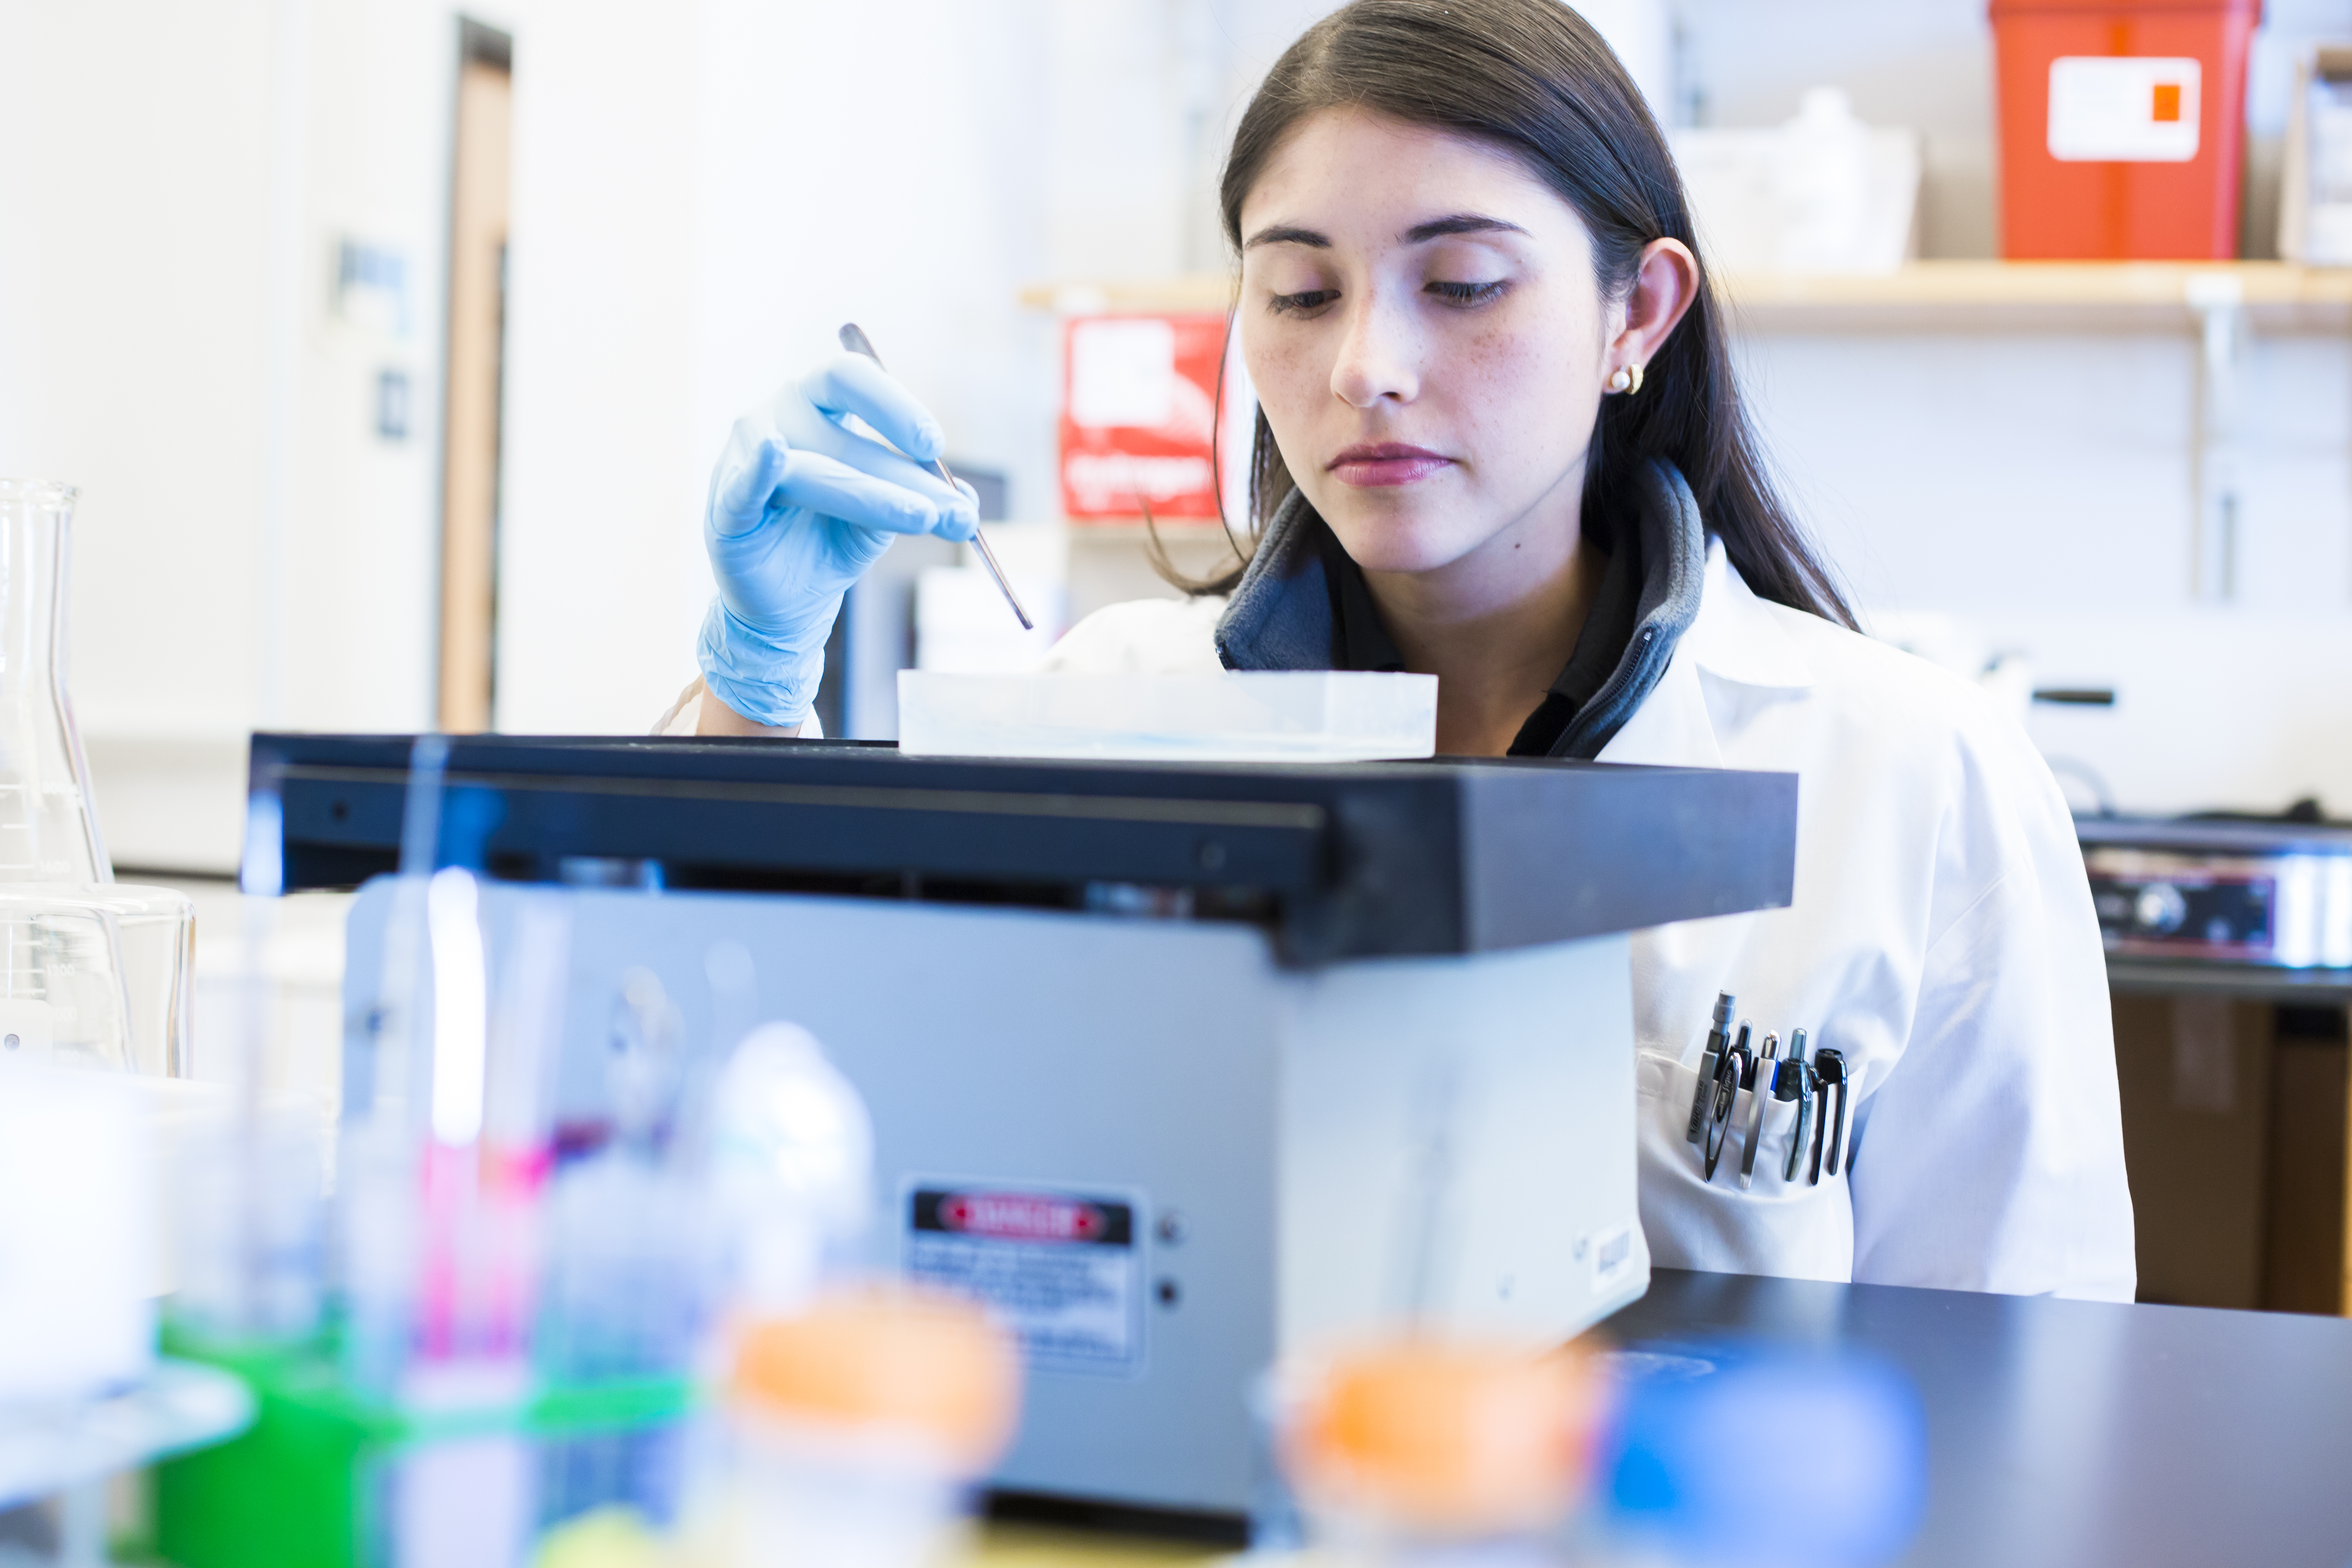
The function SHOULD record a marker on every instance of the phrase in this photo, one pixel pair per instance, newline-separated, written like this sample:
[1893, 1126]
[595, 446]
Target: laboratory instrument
[857, 342]
[2231, 891]
[1178, 1066]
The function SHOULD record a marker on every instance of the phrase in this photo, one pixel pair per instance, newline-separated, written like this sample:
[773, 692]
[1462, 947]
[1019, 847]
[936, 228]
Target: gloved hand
[800, 506]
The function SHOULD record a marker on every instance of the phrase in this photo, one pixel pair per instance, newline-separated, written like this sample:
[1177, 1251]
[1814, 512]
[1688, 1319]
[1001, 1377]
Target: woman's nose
[1377, 360]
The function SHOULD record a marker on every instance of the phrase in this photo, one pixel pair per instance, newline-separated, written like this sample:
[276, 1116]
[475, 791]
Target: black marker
[1829, 1067]
[1703, 1097]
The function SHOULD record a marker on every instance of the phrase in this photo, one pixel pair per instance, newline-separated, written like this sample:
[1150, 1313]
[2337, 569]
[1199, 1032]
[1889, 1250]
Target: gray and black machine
[1180, 1066]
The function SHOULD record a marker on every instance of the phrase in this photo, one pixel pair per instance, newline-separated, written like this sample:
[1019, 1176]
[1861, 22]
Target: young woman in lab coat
[1499, 442]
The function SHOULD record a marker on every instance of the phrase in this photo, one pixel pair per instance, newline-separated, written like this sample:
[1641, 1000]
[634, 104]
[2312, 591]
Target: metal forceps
[858, 342]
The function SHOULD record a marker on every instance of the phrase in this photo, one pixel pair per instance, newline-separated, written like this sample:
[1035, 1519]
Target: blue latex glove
[800, 506]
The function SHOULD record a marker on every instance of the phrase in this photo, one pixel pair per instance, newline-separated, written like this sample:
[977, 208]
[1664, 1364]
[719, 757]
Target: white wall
[705, 189]
[136, 185]
[248, 553]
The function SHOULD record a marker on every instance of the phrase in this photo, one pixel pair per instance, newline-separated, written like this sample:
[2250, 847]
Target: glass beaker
[92, 971]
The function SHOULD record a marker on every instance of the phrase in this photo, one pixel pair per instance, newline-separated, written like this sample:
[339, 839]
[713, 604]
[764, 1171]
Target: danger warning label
[1060, 1270]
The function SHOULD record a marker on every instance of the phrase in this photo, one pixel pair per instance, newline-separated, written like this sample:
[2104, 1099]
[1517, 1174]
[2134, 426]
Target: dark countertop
[2081, 1433]
[2247, 981]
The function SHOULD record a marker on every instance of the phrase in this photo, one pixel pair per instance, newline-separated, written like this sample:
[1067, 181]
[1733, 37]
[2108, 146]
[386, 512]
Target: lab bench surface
[1027, 1546]
[2079, 1433]
[2074, 1433]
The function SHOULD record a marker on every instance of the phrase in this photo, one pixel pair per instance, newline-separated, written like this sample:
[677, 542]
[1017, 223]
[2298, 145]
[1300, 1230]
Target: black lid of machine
[1339, 861]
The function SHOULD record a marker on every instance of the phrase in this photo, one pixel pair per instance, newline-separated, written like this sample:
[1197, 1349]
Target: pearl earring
[1621, 380]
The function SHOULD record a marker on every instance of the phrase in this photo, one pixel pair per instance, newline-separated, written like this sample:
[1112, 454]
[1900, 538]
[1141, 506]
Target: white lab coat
[1941, 936]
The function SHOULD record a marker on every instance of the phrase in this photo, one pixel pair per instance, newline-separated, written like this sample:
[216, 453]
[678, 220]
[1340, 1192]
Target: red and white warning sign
[1063, 1270]
[1021, 1217]
[1139, 420]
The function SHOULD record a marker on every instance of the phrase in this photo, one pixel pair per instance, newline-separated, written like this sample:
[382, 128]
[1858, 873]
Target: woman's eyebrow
[1284, 234]
[1459, 223]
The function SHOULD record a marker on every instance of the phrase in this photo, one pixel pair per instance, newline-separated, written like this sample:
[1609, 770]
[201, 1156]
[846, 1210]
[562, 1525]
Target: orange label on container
[2167, 107]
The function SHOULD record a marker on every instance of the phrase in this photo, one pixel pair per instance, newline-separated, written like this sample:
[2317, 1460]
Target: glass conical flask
[92, 971]
[47, 831]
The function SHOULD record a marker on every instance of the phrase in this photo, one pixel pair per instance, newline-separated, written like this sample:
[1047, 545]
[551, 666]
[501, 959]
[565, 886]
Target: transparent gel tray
[1316, 716]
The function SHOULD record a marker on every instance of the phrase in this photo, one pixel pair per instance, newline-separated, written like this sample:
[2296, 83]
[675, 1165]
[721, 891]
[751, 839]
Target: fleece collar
[1285, 614]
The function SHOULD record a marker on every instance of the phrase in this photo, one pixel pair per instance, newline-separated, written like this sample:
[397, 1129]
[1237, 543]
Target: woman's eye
[1468, 293]
[1298, 304]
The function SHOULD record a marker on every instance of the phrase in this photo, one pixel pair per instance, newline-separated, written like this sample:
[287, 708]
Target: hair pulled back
[1533, 78]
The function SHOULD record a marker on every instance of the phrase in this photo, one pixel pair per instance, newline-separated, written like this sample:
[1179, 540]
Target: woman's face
[1421, 319]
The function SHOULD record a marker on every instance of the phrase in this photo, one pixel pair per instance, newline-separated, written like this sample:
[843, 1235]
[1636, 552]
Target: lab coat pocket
[1774, 1227]
[1668, 1090]
[1675, 1103]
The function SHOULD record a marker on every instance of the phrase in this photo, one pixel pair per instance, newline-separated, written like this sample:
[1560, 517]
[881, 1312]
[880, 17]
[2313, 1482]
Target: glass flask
[93, 971]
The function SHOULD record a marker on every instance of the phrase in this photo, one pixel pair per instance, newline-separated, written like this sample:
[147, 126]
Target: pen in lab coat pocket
[1761, 1092]
[1798, 1085]
[1703, 1097]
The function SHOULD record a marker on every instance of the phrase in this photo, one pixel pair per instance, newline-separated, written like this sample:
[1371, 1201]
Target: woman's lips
[1387, 463]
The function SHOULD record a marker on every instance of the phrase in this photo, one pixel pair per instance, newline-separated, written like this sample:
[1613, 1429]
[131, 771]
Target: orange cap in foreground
[888, 1364]
[1450, 1439]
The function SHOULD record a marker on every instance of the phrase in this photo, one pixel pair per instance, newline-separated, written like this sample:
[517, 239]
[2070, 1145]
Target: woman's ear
[1665, 285]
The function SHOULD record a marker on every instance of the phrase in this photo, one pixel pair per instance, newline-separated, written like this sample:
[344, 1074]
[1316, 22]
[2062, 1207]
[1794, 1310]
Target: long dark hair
[1532, 76]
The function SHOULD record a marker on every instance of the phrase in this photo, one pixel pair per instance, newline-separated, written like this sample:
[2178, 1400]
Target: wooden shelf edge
[1924, 296]
[1209, 293]
[1181, 531]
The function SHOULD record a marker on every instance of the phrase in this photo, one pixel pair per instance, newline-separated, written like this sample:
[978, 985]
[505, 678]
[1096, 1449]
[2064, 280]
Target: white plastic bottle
[1417, 1451]
[851, 1432]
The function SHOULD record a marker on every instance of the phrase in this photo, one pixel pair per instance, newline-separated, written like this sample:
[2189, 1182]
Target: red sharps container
[2122, 127]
